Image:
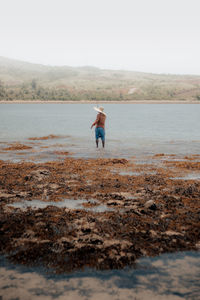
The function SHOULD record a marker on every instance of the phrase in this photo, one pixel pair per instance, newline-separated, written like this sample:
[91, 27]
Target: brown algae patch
[61, 152]
[187, 165]
[48, 137]
[192, 157]
[17, 146]
[113, 219]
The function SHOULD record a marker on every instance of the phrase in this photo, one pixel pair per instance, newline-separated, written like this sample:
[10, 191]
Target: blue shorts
[100, 133]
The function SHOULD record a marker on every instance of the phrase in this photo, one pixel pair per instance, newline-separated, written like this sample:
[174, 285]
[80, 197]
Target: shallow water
[66, 203]
[168, 276]
[188, 177]
[131, 173]
[131, 129]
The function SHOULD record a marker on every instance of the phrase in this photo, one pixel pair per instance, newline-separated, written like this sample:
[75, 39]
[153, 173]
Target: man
[100, 126]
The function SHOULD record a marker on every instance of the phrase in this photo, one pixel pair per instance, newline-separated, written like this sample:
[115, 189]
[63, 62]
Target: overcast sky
[158, 36]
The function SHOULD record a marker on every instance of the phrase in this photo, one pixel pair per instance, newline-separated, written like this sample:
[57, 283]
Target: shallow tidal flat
[102, 213]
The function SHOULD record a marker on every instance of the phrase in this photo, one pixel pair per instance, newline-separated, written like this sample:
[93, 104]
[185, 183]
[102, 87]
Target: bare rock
[150, 204]
[54, 186]
[5, 196]
[66, 242]
[126, 195]
[115, 203]
[23, 194]
[120, 244]
[153, 233]
[172, 233]
[198, 245]
[28, 234]
[39, 175]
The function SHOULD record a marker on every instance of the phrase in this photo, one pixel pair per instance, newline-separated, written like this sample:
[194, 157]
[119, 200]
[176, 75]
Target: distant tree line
[33, 90]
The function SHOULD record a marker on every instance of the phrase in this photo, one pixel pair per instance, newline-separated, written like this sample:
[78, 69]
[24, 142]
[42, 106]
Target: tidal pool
[192, 176]
[66, 203]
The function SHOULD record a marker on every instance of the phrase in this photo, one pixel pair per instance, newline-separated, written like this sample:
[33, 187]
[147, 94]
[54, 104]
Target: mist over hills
[27, 81]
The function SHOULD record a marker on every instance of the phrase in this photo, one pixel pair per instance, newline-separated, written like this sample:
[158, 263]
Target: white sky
[159, 36]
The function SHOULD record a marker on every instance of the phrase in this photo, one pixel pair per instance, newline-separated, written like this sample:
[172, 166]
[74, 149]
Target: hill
[26, 81]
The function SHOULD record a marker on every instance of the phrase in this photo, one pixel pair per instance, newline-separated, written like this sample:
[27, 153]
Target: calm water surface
[131, 129]
[166, 277]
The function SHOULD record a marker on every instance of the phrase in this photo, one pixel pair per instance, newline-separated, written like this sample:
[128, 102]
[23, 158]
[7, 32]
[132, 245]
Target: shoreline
[98, 102]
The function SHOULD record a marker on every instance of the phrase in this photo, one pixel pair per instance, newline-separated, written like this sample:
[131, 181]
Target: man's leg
[103, 137]
[97, 137]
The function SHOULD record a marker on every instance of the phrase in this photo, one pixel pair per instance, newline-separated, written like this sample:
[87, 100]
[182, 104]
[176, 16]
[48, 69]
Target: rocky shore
[120, 210]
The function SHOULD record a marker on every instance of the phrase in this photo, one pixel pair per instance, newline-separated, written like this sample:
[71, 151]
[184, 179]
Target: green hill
[26, 81]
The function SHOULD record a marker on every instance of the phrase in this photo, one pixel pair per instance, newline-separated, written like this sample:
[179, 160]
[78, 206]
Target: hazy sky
[159, 36]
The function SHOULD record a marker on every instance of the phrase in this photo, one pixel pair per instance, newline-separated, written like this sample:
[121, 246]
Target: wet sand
[145, 209]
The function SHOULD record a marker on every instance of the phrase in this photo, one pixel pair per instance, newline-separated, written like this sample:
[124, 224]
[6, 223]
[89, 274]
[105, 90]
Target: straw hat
[100, 109]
